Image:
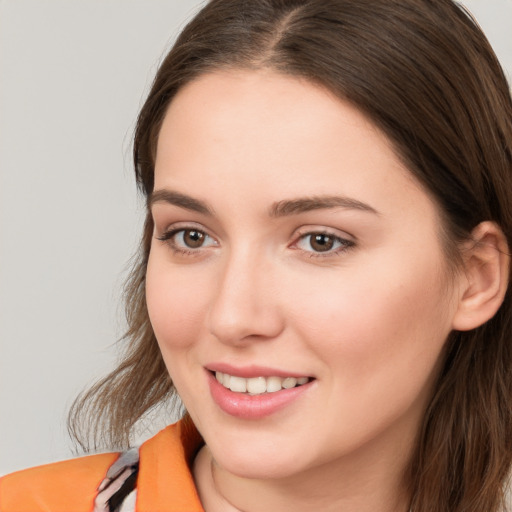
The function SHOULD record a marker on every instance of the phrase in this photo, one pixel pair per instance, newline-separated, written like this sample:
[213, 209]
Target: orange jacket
[164, 482]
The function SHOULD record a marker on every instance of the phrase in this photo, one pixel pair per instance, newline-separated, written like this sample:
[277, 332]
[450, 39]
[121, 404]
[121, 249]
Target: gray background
[73, 74]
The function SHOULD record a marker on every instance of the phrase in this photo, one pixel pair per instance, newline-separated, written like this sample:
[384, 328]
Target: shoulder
[159, 471]
[59, 487]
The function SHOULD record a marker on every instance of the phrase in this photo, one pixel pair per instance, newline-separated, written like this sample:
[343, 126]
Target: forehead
[226, 100]
[241, 129]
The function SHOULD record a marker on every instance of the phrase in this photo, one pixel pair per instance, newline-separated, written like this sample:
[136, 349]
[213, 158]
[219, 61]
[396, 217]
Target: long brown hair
[425, 74]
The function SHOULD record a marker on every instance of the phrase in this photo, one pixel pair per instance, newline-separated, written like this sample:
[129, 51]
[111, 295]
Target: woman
[324, 271]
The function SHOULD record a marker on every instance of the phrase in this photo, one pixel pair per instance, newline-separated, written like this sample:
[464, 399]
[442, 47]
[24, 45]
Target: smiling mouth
[259, 385]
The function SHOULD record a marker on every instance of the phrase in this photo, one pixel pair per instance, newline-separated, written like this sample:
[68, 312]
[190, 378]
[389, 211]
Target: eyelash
[168, 238]
[344, 244]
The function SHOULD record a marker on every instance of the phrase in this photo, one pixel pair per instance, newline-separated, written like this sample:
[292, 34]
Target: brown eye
[193, 238]
[187, 240]
[321, 242]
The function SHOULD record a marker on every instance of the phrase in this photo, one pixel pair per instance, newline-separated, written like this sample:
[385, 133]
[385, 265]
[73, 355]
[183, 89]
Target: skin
[367, 320]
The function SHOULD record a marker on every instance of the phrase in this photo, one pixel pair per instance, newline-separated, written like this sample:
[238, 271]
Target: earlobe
[485, 277]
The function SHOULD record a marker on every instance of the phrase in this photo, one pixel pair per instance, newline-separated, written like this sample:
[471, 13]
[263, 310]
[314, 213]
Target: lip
[248, 372]
[253, 407]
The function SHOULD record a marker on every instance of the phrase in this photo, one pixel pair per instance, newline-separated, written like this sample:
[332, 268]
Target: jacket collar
[165, 482]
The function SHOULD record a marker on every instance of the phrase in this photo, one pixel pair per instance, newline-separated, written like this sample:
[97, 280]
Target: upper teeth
[258, 385]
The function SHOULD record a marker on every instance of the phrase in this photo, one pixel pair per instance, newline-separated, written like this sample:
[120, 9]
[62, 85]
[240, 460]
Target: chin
[257, 469]
[257, 461]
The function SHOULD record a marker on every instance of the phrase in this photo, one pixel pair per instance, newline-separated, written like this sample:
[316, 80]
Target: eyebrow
[280, 209]
[307, 204]
[179, 199]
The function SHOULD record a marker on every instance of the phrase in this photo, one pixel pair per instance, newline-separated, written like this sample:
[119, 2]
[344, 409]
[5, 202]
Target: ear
[485, 276]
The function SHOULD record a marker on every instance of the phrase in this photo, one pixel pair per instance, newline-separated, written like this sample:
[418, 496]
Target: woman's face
[291, 245]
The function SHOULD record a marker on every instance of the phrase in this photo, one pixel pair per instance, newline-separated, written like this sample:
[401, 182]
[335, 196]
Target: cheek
[375, 323]
[175, 305]
[379, 336]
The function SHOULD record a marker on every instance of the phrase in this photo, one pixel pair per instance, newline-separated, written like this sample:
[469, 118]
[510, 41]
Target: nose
[245, 305]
